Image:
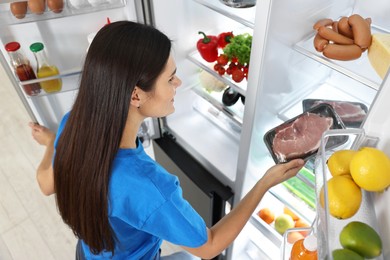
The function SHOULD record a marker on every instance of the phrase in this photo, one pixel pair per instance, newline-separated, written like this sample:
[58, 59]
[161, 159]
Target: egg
[36, 6]
[55, 5]
[19, 9]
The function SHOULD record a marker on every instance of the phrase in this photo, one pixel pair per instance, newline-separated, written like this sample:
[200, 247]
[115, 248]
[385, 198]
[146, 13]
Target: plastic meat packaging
[300, 136]
[351, 113]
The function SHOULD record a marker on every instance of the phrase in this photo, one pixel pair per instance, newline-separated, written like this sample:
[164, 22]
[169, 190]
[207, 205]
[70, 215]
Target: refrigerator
[218, 151]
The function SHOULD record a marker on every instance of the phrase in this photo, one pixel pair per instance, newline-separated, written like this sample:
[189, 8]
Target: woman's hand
[42, 134]
[281, 172]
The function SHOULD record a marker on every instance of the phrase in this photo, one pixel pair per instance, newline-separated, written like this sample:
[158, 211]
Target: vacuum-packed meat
[300, 137]
[347, 111]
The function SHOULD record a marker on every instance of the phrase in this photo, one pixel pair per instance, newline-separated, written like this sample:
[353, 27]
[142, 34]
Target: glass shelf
[7, 18]
[69, 79]
[199, 61]
[359, 69]
[245, 16]
[328, 227]
[235, 112]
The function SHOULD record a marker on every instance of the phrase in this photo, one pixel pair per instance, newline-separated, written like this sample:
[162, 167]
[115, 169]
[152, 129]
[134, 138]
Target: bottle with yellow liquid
[45, 69]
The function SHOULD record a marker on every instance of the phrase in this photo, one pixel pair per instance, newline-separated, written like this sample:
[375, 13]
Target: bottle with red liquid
[305, 249]
[22, 68]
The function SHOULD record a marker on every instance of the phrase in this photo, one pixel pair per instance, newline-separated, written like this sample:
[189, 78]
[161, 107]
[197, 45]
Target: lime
[370, 169]
[361, 238]
[346, 254]
[338, 162]
[344, 196]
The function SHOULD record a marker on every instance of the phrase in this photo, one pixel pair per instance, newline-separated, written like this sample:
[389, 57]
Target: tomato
[217, 66]
[221, 70]
[238, 75]
[223, 59]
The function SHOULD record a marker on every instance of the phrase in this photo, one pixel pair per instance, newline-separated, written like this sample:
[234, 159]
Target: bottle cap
[37, 46]
[310, 243]
[12, 46]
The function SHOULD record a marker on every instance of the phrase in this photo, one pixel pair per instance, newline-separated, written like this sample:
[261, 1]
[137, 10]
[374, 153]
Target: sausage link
[361, 31]
[342, 52]
[323, 22]
[335, 26]
[344, 27]
[330, 35]
[320, 43]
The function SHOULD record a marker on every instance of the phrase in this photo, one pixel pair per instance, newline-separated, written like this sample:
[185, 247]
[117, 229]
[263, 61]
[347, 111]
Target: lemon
[338, 162]
[370, 169]
[344, 197]
[361, 238]
[346, 254]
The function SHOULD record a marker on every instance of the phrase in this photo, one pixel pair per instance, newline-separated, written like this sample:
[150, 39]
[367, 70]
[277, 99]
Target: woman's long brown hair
[122, 55]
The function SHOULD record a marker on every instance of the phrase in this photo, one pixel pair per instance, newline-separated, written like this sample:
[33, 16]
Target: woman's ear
[136, 97]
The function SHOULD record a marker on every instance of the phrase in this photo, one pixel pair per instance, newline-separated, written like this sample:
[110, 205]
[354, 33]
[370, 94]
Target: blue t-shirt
[146, 207]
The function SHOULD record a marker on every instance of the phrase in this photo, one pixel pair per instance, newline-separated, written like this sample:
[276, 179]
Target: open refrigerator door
[286, 72]
[64, 34]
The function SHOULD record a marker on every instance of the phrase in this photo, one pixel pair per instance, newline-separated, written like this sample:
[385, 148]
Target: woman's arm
[222, 234]
[45, 176]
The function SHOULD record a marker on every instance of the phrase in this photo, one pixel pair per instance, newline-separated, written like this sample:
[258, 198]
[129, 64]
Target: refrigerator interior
[290, 71]
[64, 36]
[206, 128]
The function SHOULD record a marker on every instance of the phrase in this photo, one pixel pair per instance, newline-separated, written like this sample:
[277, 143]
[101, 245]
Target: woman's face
[159, 102]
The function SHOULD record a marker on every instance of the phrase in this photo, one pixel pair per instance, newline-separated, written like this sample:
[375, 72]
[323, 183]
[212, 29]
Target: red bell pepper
[224, 38]
[208, 47]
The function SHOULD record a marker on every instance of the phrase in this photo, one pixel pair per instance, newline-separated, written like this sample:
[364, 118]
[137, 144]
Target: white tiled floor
[30, 227]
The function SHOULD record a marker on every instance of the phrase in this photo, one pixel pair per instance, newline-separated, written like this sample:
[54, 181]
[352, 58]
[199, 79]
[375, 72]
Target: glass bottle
[305, 249]
[45, 69]
[22, 68]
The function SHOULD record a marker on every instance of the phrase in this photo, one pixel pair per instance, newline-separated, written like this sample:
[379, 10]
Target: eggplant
[230, 97]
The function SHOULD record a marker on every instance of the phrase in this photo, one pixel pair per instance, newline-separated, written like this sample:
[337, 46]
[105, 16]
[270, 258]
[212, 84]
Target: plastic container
[322, 110]
[22, 68]
[351, 113]
[305, 249]
[45, 69]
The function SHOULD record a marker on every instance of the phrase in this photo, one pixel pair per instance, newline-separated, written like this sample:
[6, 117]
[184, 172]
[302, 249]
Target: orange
[289, 212]
[294, 236]
[267, 215]
[302, 224]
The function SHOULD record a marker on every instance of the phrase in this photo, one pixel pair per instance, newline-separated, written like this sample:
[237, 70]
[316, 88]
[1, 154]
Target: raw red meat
[347, 111]
[300, 137]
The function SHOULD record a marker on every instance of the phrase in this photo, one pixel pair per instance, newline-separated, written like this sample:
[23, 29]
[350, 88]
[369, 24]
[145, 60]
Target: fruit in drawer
[370, 169]
[345, 254]
[362, 239]
[338, 162]
[291, 213]
[267, 215]
[283, 222]
[344, 196]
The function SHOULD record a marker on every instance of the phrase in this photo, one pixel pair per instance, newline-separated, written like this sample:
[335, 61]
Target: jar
[22, 68]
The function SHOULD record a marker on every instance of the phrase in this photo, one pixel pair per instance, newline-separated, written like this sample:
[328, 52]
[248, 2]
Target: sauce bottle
[22, 68]
[305, 249]
[45, 69]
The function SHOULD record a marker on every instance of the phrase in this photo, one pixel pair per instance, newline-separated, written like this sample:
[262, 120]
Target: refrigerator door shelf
[328, 228]
[245, 16]
[199, 61]
[7, 18]
[68, 83]
[289, 237]
[359, 69]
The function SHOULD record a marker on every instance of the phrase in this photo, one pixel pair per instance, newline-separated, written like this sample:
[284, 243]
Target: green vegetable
[239, 48]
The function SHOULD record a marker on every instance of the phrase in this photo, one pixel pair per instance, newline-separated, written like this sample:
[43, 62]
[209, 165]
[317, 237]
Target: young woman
[118, 201]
